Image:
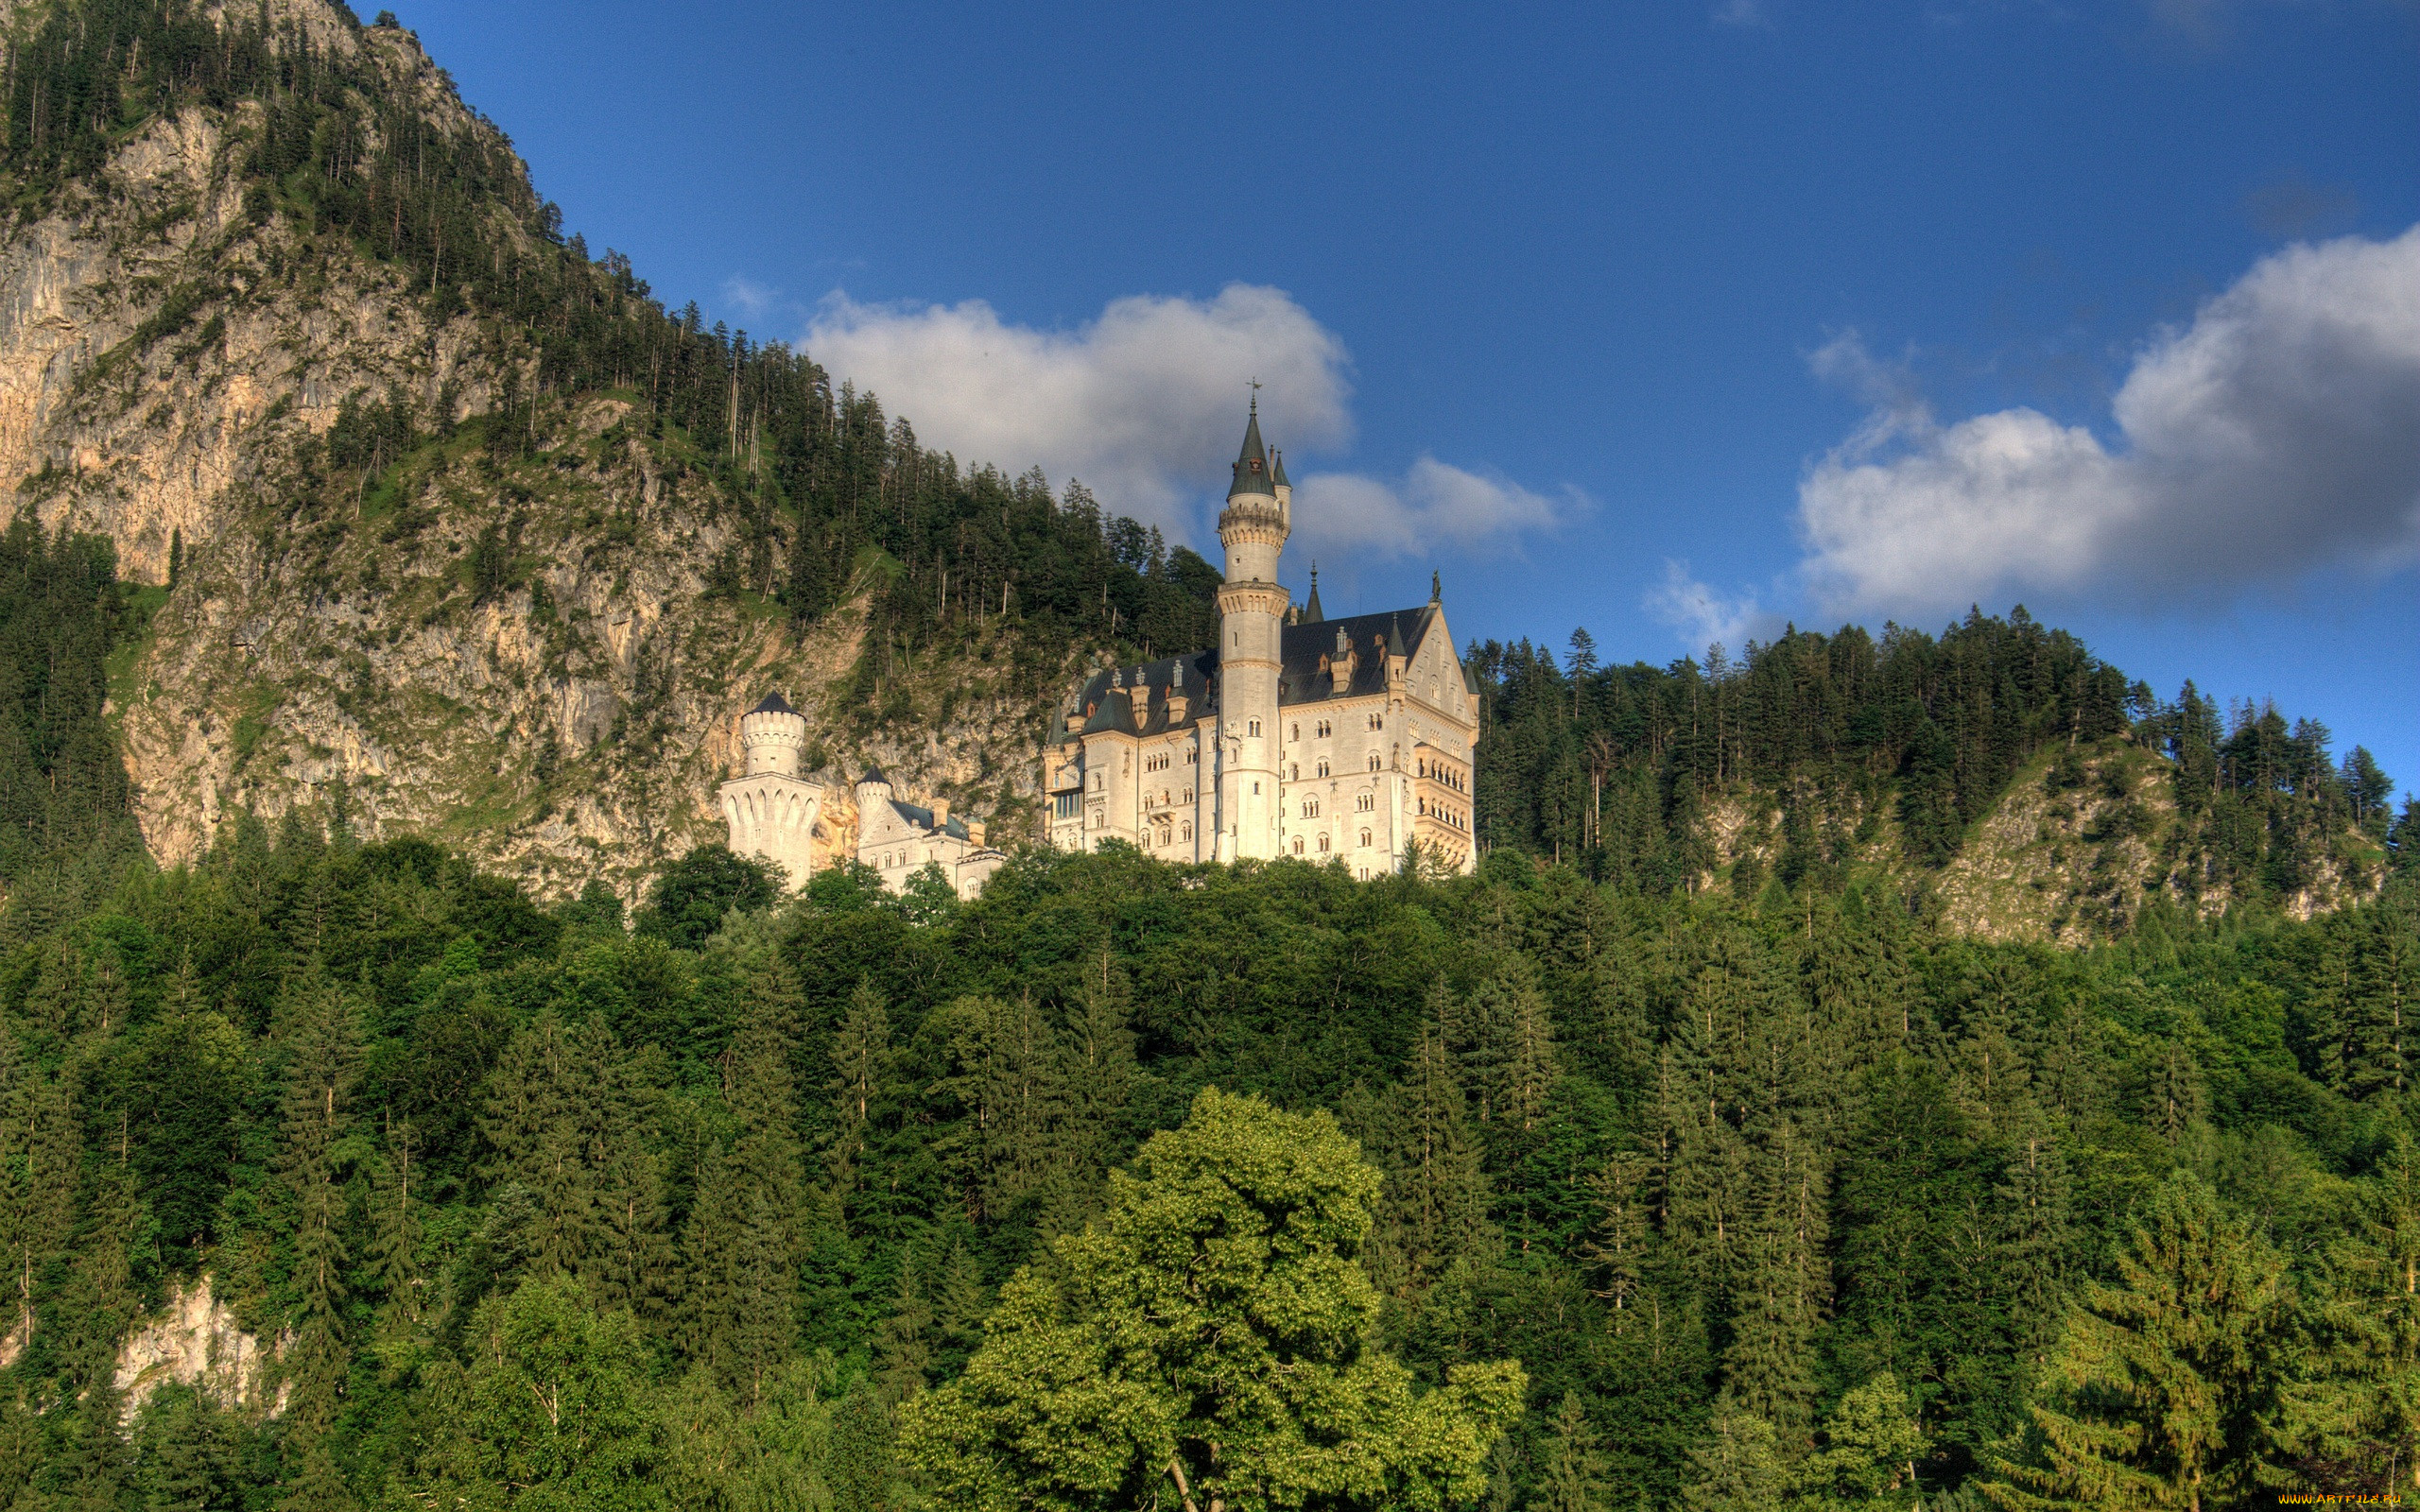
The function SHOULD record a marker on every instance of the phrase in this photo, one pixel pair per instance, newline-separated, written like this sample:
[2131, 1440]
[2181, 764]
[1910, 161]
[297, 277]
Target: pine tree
[1575, 1471]
[2360, 1415]
[1434, 1211]
[2167, 1388]
[1739, 1469]
[2366, 1029]
[860, 1057]
[1783, 1286]
[396, 1223]
[1871, 1443]
[904, 1344]
[314, 1118]
[1617, 1243]
[743, 1238]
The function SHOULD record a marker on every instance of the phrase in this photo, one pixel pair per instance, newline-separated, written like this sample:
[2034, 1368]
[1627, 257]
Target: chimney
[974, 832]
[941, 813]
[1141, 694]
[1342, 665]
[1177, 699]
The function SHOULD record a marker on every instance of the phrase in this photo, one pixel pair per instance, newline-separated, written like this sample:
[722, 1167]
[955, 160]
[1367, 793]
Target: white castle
[1295, 735]
[776, 811]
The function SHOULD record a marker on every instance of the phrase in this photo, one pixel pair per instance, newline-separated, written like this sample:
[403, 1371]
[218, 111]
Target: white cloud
[1143, 404]
[2273, 437]
[1705, 616]
[1435, 507]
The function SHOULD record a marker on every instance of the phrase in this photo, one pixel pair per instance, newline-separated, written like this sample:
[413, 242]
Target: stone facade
[1328, 740]
[776, 811]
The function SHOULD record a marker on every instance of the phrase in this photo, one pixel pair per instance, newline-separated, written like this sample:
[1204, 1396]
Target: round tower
[774, 737]
[1252, 618]
[772, 807]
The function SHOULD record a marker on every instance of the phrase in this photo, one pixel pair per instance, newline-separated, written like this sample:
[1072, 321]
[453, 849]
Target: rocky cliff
[513, 647]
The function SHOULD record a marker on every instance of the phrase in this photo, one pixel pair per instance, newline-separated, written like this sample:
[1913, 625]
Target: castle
[1295, 735]
[775, 812]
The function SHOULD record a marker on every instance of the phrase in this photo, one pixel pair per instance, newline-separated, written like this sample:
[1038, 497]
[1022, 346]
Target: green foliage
[1612, 768]
[1214, 1331]
[689, 899]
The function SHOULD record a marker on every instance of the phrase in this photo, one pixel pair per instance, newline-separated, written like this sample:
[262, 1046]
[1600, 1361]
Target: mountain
[460, 533]
[434, 523]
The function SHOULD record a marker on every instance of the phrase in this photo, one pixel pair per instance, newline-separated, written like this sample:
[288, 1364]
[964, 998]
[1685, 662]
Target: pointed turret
[1311, 615]
[1252, 463]
[1277, 469]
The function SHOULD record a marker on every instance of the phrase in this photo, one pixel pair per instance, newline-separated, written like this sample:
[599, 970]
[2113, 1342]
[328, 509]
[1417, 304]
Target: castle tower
[1251, 619]
[771, 808]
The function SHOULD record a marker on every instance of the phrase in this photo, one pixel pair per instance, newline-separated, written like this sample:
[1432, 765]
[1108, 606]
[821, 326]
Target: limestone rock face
[195, 1341]
[174, 350]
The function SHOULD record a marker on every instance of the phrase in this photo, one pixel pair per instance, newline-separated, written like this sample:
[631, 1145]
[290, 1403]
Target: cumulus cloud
[2275, 436]
[1703, 616]
[1143, 404]
[1435, 505]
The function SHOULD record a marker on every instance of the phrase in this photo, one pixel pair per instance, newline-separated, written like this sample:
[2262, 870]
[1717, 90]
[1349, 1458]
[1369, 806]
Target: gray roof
[773, 703]
[1277, 469]
[873, 774]
[1252, 463]
[1107, 705]
[1311, 615]
[923, 819]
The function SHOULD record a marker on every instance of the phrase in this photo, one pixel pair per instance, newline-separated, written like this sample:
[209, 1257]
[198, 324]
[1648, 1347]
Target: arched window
[1188, 833]
[1322, 845]
[1310, 808]
[1373, 761]
[1365, 839]
[1298, 845]
[1251, 727]
[1297, 732]
[1294, 771]
[1322, 766]
[1364, 804]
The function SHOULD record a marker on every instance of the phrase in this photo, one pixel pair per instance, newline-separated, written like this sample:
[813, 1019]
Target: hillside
[463, 534]
[434, 524]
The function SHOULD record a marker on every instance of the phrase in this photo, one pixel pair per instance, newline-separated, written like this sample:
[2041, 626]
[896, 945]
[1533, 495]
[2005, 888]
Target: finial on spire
[1436, 588]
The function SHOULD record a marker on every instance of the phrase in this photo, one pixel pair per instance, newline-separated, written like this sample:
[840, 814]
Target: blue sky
[1673, 320]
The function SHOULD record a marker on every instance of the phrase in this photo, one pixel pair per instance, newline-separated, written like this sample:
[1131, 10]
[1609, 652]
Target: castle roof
[773, 703]
[1277, 469]
[1311, 615]
[1252, 463]
[1306, 653]
[921, 819]
[873, 774]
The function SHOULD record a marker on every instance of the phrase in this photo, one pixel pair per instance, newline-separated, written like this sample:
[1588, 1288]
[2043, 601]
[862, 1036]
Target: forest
[337, 1173]
[1596, 1195]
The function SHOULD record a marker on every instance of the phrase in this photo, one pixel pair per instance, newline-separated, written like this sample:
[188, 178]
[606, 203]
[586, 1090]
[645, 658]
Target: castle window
[1325, 729]
[1294, 771]
[1310, 808]
[1297, 732]
[1365, 804]
[1063, 805]
[1322, 845]
[1378, 722]
[1096, 777]
[1298, 845]
[1364, 873]
[1188, 795]
[1187, 832]
[1251, 728]
[1365, 839]
[1322, 766]
[1191, 757]
[1373, 761]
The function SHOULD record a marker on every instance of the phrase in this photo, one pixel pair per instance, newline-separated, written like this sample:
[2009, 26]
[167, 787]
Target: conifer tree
[2366, 1029]
[904, 1344]
[743, 1238]
[1739, 1467]
[860, 1057]
[1616, 1244]
[314, 1119]
[2166, 1388]
[1574, 1470]
[1434, 1211]
[2361, 1409]
[396, 1222]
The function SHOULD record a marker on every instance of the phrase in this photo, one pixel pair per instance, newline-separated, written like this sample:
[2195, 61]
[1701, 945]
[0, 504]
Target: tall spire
[1277, 469]
[1311, 615]
[1252, 463]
